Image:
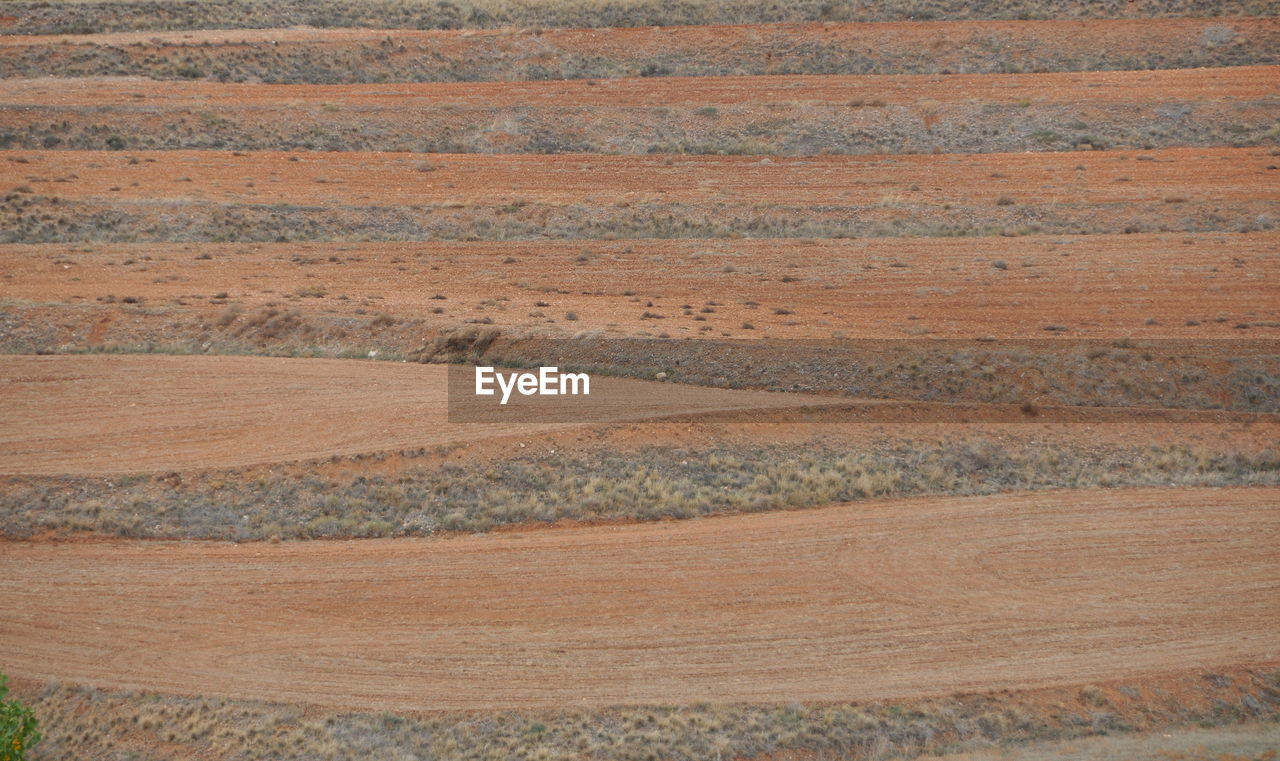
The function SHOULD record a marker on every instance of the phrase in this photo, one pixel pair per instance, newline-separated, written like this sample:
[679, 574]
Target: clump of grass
[311, 292]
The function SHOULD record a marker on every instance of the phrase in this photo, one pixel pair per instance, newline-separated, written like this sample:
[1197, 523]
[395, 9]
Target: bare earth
[1225, 176]
[110, 414]
[1145, 285]
[129, 414]
[407, 99]
[969, 181]
[902, 598]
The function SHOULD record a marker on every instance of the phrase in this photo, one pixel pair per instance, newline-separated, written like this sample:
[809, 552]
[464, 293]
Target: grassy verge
[50, 219]
[538, 54]
[1247, 742]
[95, 724]
[783, 128]
[650, 483]
[91, 16]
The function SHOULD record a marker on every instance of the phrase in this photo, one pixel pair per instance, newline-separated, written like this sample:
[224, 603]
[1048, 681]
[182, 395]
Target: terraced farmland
[949, 425]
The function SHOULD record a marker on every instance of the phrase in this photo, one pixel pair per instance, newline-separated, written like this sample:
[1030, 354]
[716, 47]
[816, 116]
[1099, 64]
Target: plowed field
[896, 599]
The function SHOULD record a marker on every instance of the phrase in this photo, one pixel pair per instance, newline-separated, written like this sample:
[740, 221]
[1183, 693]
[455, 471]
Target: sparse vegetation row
[862, 126]
[654, 482]
[88, 723]
[29, 218]
[94, 16]
[536, 54]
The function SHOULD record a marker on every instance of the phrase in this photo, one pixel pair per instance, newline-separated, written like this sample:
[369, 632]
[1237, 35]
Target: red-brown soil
[895, 599]
[106, 414]
[360, 101]
[127, 414]
[877, 600]
[1224, 176]
[1148, 285]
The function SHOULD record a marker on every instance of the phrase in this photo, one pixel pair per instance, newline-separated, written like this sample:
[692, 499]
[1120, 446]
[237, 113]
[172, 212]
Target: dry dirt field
[118, 414]
[1159, 285]
[937, 348]
[1227, 177]
[901, 598]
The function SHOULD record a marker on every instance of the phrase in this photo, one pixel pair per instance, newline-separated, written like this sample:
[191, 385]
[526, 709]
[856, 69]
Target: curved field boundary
[128, 414]
[894, 599]
[131, 414]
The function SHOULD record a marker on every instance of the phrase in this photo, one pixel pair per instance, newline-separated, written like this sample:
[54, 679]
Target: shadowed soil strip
[893, 599]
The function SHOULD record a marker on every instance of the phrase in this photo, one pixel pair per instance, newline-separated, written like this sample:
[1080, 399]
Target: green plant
[18, 726]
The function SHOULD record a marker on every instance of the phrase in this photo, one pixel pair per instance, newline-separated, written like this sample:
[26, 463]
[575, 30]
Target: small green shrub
[18, 726]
